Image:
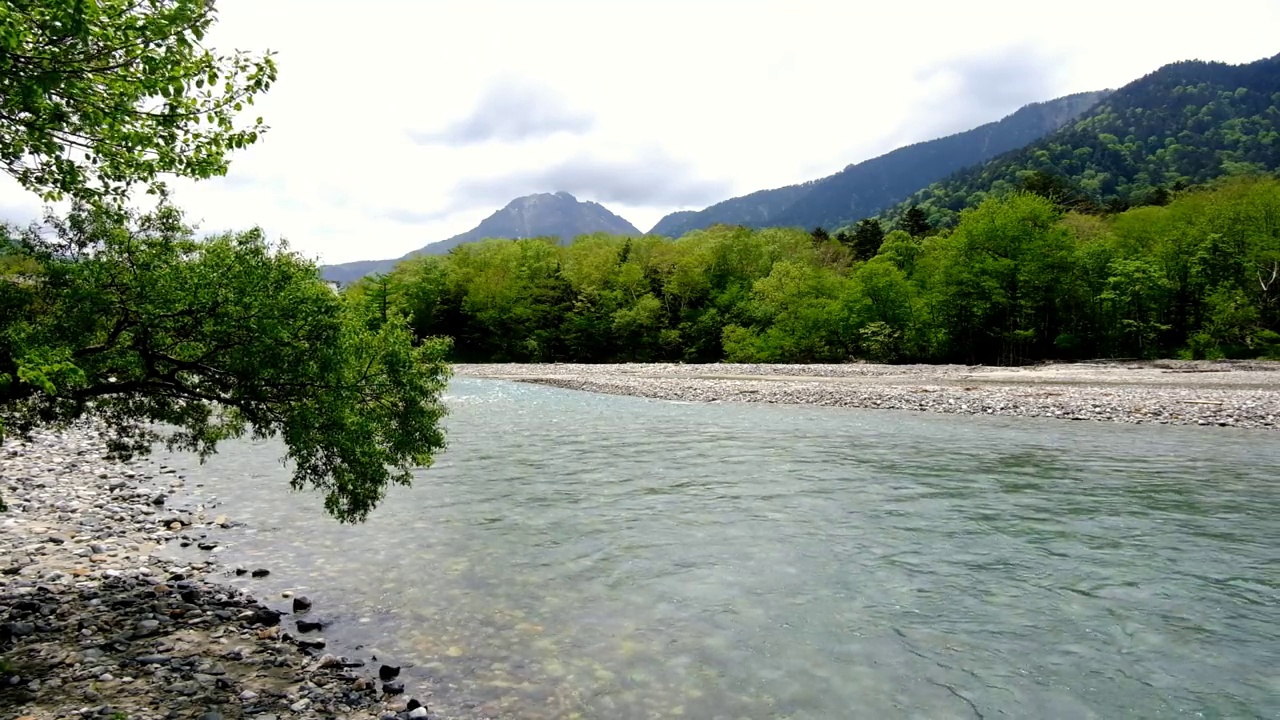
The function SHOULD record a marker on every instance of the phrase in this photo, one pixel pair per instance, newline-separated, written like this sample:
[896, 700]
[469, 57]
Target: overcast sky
[396, 123]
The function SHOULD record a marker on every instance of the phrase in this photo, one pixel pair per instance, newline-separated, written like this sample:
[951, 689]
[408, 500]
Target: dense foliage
[1016, 280]
[868, 187]
[1182, 125]
[134, 321]
[98, 96]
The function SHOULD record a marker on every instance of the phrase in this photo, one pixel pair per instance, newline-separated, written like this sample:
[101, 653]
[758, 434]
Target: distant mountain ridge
[1185, 124]
[540, 215]
[756, 209]
[866, 188]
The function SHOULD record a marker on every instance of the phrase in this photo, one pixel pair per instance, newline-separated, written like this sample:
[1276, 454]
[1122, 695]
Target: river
[591, 556]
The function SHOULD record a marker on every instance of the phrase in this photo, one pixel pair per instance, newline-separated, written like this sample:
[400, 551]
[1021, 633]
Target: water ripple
[625, 558]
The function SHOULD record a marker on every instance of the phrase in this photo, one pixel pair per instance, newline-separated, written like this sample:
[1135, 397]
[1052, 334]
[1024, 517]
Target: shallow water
[579, 555]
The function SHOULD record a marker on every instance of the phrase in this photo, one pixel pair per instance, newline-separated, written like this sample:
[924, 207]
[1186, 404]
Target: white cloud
[510, 110]
[738, 95]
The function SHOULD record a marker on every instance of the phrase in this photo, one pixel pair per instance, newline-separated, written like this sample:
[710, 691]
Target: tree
[376, 291]
[1158, 196]
[130, 320]
[820, 235]
[133, 321]
[867, 238]
[916, 222]
[1003, 270]
[1057, 190]
[97, 97]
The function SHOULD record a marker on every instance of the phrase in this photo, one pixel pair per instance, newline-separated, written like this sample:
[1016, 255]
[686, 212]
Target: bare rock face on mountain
[541, 215]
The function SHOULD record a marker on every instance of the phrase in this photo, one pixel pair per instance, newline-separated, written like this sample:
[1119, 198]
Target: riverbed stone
[1242, 394]
[110, 628]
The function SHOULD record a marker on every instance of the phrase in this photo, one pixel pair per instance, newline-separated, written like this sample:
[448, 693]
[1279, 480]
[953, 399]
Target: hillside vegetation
[868, 187]
[1183, 125]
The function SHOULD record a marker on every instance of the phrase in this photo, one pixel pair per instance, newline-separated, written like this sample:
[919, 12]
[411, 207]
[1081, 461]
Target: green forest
[1018, 278]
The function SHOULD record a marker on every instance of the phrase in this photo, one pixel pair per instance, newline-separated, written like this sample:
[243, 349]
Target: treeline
[1017, 279]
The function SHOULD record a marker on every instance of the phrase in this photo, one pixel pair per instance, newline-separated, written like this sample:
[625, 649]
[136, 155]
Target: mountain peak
[558, 214]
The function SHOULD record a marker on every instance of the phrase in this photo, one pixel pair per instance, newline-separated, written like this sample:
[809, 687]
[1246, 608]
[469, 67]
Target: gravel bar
[1243, 394]
[95, 622]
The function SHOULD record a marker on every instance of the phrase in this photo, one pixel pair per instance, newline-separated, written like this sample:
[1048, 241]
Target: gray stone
[152, 659]
[188, 687]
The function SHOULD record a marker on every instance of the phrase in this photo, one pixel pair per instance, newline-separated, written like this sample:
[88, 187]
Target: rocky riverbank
[95, 622]
[1234, 394]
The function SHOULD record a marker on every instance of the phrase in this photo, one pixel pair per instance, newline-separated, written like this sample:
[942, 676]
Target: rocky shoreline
[95, 621]
[1228, 394]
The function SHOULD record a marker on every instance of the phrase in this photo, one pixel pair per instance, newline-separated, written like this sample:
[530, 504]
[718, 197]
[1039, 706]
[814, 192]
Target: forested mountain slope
[758, 209]
[868, 187]
[1184, 124]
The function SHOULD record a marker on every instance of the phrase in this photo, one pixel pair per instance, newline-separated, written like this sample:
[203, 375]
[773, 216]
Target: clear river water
[586, 556]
